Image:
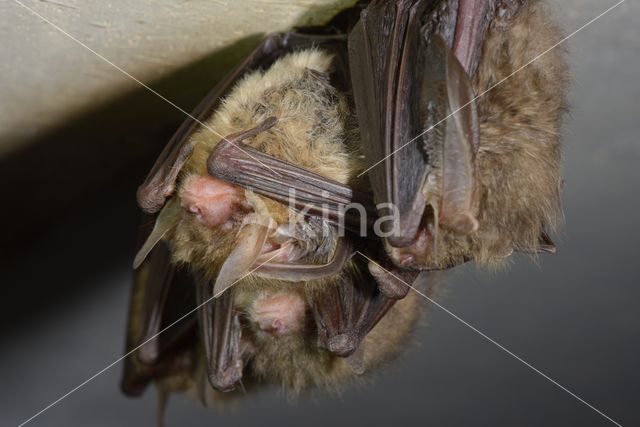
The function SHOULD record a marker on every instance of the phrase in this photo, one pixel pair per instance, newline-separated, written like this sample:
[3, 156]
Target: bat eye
[194, 210]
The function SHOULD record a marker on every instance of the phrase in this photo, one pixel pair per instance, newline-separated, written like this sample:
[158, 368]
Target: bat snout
[418, 253]
[211, 201]
[282, 314]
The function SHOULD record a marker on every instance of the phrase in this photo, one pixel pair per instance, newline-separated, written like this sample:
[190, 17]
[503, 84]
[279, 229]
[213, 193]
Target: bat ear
[249, 243]
[161, 181]
[459, 193]
[165, 221]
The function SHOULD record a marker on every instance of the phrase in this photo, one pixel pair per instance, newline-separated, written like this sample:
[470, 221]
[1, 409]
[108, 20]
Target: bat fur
[518, 161]
[315, 129]
[519, 174]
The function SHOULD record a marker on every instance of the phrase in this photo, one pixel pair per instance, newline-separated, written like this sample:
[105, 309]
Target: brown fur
[315, 130]
[312, 132]
[519, 155]
[519, 173]
[520, 121]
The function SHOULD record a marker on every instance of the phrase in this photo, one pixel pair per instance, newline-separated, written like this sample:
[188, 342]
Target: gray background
[574, 316]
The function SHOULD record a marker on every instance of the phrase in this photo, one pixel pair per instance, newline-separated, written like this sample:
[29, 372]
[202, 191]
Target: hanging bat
[377, 110]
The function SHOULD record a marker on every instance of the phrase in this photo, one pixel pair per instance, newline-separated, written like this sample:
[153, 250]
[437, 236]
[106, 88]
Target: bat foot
[344, 344]
[346, 313]
[225, 381]
[393, 284]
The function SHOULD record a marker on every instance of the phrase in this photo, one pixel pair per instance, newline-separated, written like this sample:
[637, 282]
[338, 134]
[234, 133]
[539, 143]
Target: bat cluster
[329, 170]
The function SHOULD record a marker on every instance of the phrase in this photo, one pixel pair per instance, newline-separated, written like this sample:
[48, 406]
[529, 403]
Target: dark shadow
[113, 144]
[69, 206]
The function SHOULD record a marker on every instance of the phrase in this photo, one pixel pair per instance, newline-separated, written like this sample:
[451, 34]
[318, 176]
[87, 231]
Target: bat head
[290, 113]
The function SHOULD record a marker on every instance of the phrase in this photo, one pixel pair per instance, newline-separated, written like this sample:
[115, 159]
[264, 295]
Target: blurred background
[77, 137]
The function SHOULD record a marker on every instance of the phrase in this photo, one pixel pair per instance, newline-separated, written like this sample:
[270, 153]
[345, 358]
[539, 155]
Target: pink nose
[280, 314]
[211, 200]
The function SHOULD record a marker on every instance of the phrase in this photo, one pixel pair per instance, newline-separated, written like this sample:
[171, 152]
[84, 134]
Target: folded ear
[387, 58]
[417, 117]
[249, 243]
[459, 205]
[161, 181]
[165, 221]
[221, 335]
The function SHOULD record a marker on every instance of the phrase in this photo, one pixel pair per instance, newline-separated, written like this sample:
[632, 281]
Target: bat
[364, 136]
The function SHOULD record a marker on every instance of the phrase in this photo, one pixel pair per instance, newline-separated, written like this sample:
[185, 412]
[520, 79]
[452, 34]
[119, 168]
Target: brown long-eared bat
[330, 170]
